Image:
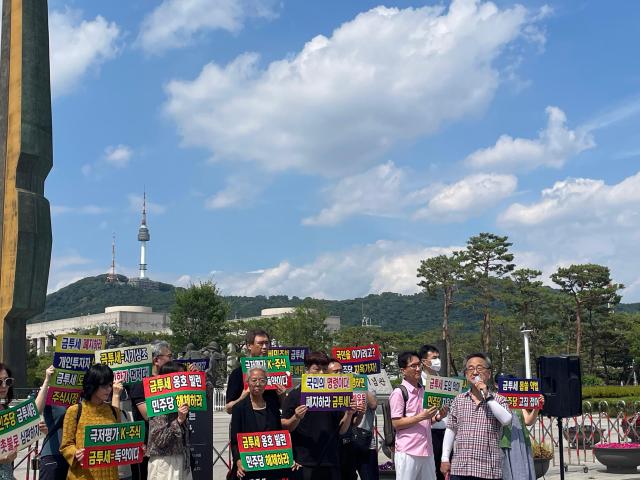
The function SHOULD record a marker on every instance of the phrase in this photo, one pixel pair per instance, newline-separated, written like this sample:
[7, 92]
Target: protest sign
[129, 364]
[365, 360]
[165, 393]
[326, 392]
[521, 392]
[265, 450]
[360, 388]
[296, 358]
[113, 445]
[440, 391]
[380, 383]
[278, 370]
[198, 364]
[19, 426]
[73, 356]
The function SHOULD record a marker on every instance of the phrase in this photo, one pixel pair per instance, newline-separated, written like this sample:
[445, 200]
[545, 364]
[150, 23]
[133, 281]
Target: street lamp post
[527, 362]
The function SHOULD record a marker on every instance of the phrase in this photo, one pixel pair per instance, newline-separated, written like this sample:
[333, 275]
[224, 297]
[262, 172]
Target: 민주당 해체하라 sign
[166, 393]
[265, 450]
[440, 391]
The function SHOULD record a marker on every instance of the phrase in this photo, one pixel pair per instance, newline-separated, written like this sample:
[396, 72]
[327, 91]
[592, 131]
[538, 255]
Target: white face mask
[436, 364]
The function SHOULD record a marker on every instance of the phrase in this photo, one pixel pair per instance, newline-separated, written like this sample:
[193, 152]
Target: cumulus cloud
[469, 196]
[343, 101]
[77, 46]
[379, 191]
[118, 156]
[553, 147]
[177, 23]
[383, 266]
[581, 199]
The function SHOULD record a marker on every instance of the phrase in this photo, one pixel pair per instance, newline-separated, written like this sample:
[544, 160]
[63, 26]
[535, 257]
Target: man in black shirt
[161, 354]
[315, 435]
[258, 342]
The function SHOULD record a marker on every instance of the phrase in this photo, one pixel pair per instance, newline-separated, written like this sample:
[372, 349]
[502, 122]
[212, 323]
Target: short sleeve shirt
[416, 439]
[477, 451]
[315, 439]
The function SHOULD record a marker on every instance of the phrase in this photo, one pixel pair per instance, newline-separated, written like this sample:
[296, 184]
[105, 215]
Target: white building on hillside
[121, 318]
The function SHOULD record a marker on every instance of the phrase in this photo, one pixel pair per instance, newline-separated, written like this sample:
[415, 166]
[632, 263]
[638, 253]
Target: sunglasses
[6, 382]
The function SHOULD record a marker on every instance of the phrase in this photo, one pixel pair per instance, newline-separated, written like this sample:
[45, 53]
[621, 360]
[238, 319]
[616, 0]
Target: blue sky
[324, 148]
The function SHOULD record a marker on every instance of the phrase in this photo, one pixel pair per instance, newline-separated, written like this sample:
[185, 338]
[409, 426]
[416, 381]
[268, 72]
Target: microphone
[477, 379]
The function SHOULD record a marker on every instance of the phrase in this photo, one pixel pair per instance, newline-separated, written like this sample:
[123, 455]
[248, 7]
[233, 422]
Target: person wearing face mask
[431, 365]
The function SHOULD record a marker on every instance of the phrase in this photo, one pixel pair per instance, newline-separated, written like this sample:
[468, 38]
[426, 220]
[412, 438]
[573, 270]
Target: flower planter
[541, 465]
[585, 437]
[618, 457]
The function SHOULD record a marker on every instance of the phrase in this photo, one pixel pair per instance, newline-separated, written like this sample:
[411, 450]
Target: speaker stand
[560, 446]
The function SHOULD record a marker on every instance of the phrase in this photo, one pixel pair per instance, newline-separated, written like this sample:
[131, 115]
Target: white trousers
[167, 467]
[412, 467]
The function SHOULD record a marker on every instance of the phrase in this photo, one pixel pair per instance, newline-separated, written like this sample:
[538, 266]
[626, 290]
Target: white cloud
[135, 205]
[82, 210]
[238, 192]
[77, 46]
[70, 260]
[118, 156]
[581, 200]
[553, 147]
[176, 23]
[469, 196]
[378, 191]
[387, 76]
[582, 221]
[383, 266]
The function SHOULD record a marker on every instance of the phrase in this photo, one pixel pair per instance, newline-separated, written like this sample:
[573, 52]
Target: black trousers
[367, 464]
[53, 467]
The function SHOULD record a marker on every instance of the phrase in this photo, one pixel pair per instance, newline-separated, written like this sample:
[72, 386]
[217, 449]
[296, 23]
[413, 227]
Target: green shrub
[591, 380]
[610, 391]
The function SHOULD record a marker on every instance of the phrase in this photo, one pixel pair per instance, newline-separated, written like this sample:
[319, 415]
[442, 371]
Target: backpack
[389, 431]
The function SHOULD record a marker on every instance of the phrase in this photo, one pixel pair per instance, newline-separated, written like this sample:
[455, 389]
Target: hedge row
[610, 391]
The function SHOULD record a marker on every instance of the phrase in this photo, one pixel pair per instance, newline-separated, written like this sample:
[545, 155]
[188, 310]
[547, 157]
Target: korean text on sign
[278, 370]
[362, 360]
[440, 391]
[197, 364]
[326, 392]
[129, 364]
[79, 343]
[19, 426]
[265, 450]
[522, 393]
[113, 445]
[166, 393]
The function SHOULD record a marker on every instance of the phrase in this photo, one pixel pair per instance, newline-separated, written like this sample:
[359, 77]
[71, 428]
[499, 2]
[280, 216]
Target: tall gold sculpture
[25, 161]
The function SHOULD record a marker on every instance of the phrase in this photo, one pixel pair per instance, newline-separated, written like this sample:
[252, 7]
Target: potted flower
[618, 457]
[542, 456]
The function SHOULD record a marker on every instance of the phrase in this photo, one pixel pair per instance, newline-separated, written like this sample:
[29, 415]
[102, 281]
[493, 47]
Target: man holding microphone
[474, 422]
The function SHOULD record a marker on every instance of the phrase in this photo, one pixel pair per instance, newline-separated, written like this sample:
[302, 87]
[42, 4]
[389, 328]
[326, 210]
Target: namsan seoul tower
[143, 238]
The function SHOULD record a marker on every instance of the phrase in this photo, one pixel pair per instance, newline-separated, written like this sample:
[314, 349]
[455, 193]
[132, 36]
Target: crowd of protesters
[476, 437]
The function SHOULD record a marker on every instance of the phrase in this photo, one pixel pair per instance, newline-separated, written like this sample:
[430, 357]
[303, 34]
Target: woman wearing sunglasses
[6, 395]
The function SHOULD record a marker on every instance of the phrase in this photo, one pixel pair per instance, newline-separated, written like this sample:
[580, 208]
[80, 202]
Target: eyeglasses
[266, 343]
[478, 369]
[258, 381]
[168, 355]
[6, 382]
[415, 366]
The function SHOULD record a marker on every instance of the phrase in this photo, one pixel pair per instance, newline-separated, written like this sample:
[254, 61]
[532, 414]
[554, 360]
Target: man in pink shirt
[413, 452]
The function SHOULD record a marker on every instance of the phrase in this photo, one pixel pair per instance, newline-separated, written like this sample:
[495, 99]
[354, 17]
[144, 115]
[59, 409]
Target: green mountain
[391, 311]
